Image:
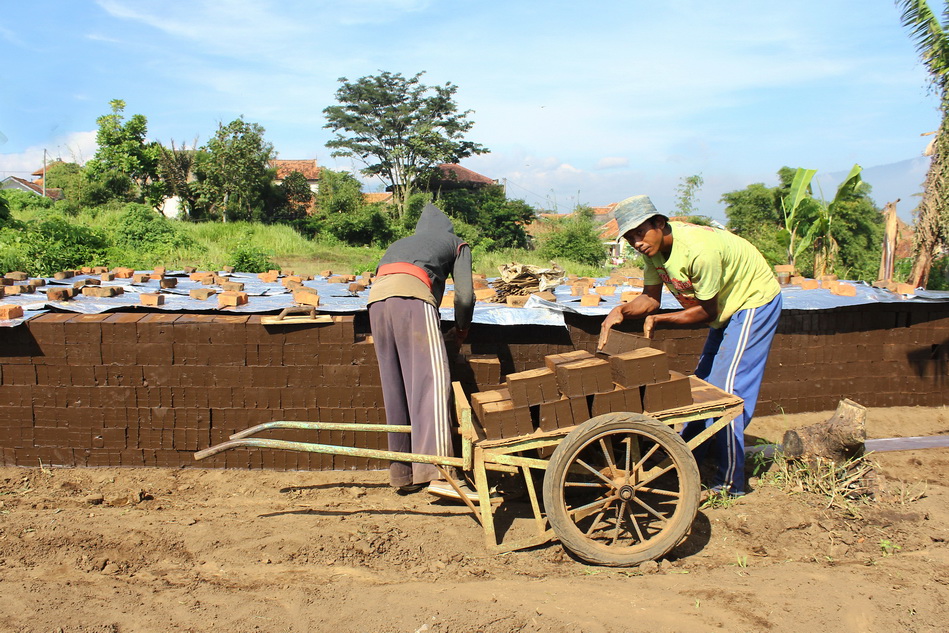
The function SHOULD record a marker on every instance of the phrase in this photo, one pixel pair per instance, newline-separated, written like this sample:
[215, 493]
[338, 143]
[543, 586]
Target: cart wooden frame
[518, 455]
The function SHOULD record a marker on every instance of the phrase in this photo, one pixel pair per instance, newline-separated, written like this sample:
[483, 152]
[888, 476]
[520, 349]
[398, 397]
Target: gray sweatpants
[416, 385]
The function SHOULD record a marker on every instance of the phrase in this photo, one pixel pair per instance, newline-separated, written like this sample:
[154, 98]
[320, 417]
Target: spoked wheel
[620, 489]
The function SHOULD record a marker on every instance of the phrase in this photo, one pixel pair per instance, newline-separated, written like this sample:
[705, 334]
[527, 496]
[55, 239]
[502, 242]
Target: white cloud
[612, 162]
[76, 147]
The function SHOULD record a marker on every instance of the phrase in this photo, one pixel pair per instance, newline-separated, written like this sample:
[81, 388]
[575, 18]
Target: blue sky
[579, 102]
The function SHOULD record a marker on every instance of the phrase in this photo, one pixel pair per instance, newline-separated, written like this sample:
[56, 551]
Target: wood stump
[838, 439]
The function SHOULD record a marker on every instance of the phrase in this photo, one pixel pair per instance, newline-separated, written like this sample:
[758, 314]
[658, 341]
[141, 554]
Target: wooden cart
[618, 489]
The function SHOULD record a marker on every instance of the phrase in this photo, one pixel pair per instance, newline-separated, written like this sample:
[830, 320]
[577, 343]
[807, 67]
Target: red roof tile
[308, 168]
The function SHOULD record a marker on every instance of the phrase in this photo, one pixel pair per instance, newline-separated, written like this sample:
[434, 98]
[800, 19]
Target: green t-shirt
[706, 262]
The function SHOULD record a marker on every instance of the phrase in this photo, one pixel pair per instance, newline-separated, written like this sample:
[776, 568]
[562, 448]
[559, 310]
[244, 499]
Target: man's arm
[705, 311]
[645, 304]
[464, 292]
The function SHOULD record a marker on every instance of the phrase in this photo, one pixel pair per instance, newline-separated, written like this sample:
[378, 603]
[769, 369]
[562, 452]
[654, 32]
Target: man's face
[646, 238]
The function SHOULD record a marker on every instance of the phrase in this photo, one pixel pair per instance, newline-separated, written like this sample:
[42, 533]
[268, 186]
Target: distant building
[35, 187]
[309, 169]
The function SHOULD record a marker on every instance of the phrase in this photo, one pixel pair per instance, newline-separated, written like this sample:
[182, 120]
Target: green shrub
[57, 244]
[248, 258]
[575, 238]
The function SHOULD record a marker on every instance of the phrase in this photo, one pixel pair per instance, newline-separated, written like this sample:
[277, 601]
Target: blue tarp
[336, 298]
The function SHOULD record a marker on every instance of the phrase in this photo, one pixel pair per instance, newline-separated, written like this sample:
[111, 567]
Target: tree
[234, 173]
[932, 215]
[124, 162]
[685, 194]
[843, 236]
[575, 238]
[399, 128]
[497, 218]
[293, 199]
[176, 167]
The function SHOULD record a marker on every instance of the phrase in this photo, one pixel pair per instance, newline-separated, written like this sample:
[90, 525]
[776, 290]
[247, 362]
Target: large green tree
[501, 220]
[932, 215]
[125, 163]
[848, 230]
[234, 173]
[399, 128]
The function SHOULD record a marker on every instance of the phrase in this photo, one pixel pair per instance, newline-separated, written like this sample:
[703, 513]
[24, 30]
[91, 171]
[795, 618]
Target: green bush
[248, 258]
[56, 244]
[575, 238]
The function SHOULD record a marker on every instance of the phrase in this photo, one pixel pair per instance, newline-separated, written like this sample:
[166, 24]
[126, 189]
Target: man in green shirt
[720, 279]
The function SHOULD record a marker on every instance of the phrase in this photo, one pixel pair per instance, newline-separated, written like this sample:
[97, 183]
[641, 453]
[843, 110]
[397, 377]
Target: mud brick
[534, 386]
[141, 278]
[16, 275]
[232, 286]
[9, 311]
[844, 290]
[553, 360]
[628, 295]
[502, 419]
[555, 415]
[201, 293]
[63, 274]
[151, 299]
[485, 294]
[268, 277]
[628, 400]
[82, 283]
[155, 328]
[809, 284]
[516, 301]
[200, 276]
[580, 289]
[486, 369]
[546, 295]
[107, 277]
[231, 299]
[580, 408]
[18, 375]
[478, 400]
[154, 353]
[618, 342]
[306, 298]
[344, 329]
[60, 293]
[640, 367]
[605, 291]
[590, 301]
[19, 289]
[670, 394]
[584, 377]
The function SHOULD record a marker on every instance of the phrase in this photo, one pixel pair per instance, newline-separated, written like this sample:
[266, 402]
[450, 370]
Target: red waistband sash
[405, 269]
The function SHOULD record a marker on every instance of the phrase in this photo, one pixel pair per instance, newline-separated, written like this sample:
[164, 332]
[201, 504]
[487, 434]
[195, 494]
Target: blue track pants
[734, 360]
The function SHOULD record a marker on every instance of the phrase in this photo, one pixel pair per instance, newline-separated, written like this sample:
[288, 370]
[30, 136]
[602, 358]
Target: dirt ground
[141, 550]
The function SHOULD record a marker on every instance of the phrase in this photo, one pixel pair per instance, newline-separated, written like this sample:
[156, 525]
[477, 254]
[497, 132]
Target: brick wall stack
[149, 390]
[134, 389]
[880, 355]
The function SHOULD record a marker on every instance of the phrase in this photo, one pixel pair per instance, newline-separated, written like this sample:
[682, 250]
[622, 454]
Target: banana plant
[821, 232]
[790, 206]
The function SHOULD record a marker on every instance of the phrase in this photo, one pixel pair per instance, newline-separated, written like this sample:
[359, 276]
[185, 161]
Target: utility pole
[44, 173]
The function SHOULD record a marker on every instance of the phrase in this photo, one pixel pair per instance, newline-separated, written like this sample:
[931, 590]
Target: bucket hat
[632, 212]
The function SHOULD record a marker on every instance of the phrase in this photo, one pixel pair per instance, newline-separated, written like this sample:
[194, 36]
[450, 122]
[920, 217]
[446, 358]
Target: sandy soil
[129, 550]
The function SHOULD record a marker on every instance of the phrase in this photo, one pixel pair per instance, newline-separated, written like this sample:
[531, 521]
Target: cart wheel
[620, 489]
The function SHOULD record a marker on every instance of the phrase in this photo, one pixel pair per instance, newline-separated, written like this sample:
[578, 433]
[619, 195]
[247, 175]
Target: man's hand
[649, 325]
[614, 317]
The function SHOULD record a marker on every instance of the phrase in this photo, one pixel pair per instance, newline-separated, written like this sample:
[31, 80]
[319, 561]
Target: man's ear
[659, 222]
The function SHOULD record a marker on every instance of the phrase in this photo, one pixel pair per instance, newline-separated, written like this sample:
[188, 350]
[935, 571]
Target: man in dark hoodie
[413, 364]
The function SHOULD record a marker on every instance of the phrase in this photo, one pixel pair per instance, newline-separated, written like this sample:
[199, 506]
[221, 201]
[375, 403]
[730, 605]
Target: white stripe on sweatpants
[439, 363]
[732, 443]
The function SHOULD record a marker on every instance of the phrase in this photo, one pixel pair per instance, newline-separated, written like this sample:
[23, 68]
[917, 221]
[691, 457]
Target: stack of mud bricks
[880, 355]
[575, 386]
[132, 389]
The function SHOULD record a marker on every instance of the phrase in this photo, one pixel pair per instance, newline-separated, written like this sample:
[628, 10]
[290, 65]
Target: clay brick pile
[128, 389]
[575, 386]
